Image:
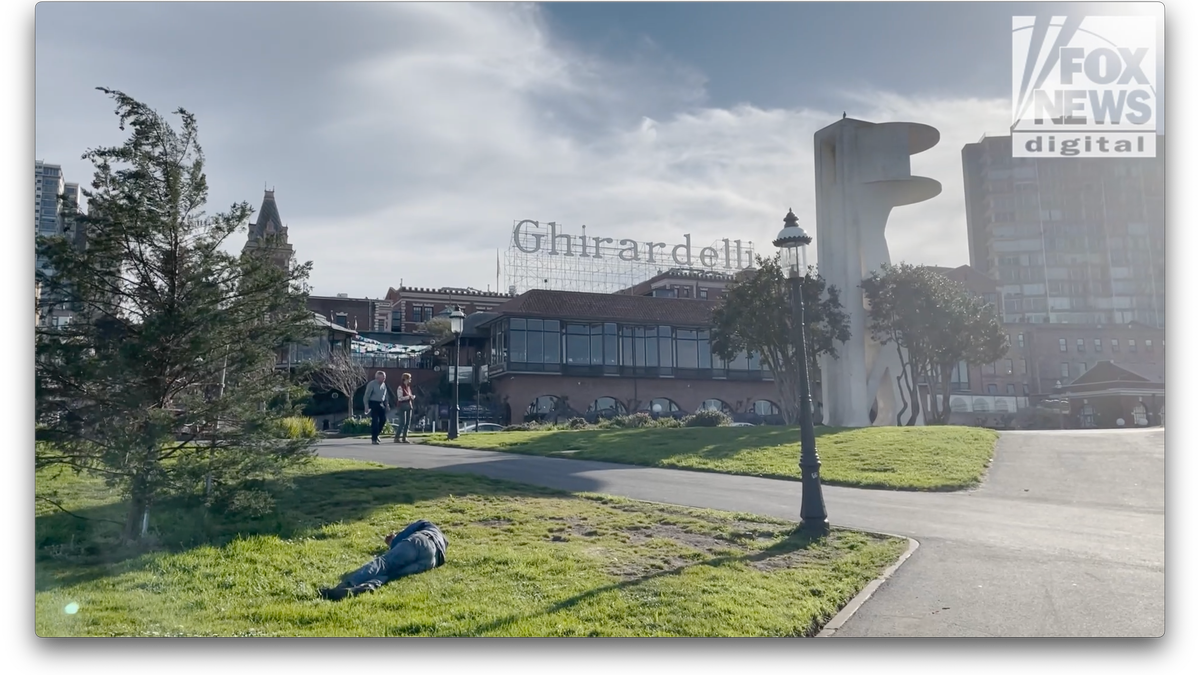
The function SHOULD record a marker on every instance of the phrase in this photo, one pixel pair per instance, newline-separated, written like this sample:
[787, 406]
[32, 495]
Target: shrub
[668, 423]
[577, 423]
[608, 424]
[634, 421]
[707, 418]
[298, 427]
[356, 426]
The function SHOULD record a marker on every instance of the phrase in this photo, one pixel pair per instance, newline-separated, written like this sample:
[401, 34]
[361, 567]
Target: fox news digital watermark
[1085, 86]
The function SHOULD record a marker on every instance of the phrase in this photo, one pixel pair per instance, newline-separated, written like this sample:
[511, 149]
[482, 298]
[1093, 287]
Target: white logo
[1085, 87]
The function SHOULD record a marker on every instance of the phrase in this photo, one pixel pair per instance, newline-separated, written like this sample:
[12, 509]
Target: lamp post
[456, 326]
[791, 243]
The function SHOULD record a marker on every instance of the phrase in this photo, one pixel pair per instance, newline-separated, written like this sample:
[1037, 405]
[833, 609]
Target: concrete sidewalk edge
[865, 594]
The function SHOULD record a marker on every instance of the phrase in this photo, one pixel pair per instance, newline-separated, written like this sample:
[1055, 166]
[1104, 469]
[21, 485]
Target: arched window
[716, 404]
[766, 408]
[661, 406]
[980, 404]
[542, 405]
[1139, 416]
[958, 404]
[607, 406]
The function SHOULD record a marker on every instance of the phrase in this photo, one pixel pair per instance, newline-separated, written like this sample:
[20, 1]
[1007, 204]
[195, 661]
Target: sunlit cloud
[415, 156]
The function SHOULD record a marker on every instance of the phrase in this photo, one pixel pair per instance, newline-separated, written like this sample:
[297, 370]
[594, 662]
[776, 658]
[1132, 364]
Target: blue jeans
[403, 422]
[411, 552]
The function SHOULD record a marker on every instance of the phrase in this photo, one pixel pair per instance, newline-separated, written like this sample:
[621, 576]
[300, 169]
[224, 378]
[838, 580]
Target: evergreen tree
[755, 315]
[166, 381]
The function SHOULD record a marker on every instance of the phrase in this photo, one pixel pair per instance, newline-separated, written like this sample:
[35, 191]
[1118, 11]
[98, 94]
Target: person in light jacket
[404, 405]
[375, 400]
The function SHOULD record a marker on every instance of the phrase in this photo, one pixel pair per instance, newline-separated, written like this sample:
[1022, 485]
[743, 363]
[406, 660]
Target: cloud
[410, 153]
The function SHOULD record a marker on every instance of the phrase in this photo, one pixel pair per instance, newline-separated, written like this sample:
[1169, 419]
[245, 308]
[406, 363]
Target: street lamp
[456, 327]
[791, 243]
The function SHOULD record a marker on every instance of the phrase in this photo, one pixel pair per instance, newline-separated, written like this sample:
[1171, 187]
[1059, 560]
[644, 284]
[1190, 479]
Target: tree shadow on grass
[85, 545]
[797, 540]
[650, 446]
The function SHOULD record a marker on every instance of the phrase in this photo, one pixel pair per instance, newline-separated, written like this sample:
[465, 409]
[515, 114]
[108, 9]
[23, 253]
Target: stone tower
[268, 235]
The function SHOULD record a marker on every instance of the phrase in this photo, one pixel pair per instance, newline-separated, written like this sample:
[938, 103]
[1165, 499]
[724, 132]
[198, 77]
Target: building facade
[1074, 241]
[1043, 357]
[412, 306]
[685, 284]
[48, 185]
[559, 353]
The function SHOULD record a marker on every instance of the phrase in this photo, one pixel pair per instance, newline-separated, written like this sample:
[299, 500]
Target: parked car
[742, 424]
[482, 426]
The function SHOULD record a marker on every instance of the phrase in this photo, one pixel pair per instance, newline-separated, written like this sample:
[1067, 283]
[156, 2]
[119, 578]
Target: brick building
[412, 306]
[683, 283]
[601, 354]
[1043, 356]
[1112, 396]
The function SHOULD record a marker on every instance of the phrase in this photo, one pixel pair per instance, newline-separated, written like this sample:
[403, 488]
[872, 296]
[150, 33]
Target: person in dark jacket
[417, 548]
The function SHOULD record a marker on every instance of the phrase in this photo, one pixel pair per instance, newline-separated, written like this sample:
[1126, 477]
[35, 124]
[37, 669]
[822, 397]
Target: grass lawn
[521, 561]
[897, 458]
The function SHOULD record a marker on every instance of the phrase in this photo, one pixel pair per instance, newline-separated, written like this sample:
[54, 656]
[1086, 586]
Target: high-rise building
[1069, 240]
[48, 184]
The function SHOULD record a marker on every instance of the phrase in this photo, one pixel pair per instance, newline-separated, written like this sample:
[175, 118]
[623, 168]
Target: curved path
[1065, 537]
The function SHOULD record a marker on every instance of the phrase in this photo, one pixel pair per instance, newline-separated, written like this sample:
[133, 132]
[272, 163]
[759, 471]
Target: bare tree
[343, 374]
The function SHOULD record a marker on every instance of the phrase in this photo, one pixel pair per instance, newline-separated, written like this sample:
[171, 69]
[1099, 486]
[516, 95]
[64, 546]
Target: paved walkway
[1065, 538]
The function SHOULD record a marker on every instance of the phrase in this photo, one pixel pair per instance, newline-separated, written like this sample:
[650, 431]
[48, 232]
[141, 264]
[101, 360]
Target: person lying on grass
[417, 548]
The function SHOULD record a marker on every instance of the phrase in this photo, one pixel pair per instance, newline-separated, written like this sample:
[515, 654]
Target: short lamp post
[791, 243]
[456, 327]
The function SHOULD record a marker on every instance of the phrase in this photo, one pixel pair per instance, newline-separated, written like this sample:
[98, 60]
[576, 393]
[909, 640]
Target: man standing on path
[375, 398]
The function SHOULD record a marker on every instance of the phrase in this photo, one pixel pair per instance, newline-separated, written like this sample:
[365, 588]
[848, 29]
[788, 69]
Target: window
[1149, 346]
[1062, 344]
[703, 350]
[1020, 341]
[1116, 345]
[1080, 369]
[992, 389]
[1096, 345]
[610, 344]
[1079, 345]
[578, 345]
[1010, 389]
[666, 355]
[1008, 366]
[703, 293]
[766, 408]
[517, 341]
[1025, 389]
[1133, 346]
[397, 321]
[1024, 367]
[960, 378]
[989, 369]
[534, 341]
[1064, 370]
[687, 353]
[627, 346]
[597, 344]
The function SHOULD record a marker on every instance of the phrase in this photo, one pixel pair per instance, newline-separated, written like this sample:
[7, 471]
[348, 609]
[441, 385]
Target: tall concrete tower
[863, 171]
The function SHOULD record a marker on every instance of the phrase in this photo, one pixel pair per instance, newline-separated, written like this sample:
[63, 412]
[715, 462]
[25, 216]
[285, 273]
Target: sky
[403, 140]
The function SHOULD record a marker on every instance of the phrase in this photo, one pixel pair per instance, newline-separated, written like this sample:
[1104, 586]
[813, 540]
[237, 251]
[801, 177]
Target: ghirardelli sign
[530, 237]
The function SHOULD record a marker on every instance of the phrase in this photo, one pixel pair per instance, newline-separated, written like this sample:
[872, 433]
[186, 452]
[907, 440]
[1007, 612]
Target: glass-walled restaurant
[527, 345]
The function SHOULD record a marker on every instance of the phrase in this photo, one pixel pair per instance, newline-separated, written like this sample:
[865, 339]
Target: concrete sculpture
[863, 171]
